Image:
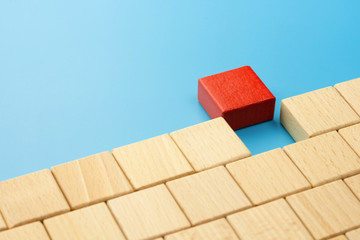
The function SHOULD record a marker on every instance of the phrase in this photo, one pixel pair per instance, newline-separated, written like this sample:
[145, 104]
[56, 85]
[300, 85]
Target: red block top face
[236, 88]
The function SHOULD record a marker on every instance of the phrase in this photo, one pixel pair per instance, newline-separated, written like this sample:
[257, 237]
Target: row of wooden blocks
[200, 183]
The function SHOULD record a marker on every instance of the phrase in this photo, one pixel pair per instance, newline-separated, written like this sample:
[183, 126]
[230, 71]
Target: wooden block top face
[267, 176]
[353, 235]
[210, 144]
[316, 112]
[2, 223]
[148, 213]
[93, 222]
[350, 90]
[327, 210]
[354, 184]
[352, 136]
[30, 198]
[341, 237]
[208, 195]
[90, 180]
[324, 158]
[236, 88]
[152, 161]
[32, 231]
[274, 220]
[216, 230]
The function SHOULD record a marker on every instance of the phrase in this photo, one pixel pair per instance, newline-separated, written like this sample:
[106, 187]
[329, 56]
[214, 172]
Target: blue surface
[82, 77]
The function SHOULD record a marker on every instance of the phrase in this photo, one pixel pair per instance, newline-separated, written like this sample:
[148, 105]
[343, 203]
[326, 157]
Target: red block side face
[238, 95]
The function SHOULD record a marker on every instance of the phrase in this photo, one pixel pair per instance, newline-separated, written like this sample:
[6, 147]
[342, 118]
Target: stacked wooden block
[201, 183]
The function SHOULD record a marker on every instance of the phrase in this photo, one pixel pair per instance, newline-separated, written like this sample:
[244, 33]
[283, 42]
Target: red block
[238, 95]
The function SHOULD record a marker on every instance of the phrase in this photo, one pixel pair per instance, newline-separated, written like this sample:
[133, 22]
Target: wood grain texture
[32, 231]
[352, 137]
[273, 220]
[354, 234]
[324, 158]
[354, 184]
[215, 230]
[350, 90]
[148, 213]
[210, 144]
[267, 176]
[340, 237]
[152, 161]
[327, 210]
[30, 198]
[91, 180]
[89, 223]
[315, 113]
[238, 95]
[2, 223]
[208, 195]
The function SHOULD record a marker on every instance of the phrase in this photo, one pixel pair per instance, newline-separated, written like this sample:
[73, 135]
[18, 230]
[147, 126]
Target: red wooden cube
[238, 95]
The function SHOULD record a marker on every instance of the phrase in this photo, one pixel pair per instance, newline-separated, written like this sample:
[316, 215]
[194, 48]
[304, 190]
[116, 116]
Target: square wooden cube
[31, 231]
[91, 180]
[152, 161]
[324, 158]
[273, 220]
[350, 90]
[148, 213]
[327, 210]
[89, 223]
[352, 136]
[210, 144]
[315, 113]
[2, 223]
[353, 235]
[267, 176]
[208, 195]
[354, 184]
[30, 198]
[238, 95]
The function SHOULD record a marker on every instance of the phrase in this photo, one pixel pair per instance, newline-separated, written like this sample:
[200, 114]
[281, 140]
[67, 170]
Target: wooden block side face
[90, 180]
[327, 210]
[216, 230]
[2, 223]
[94, 222]
[316, 112]
[210, 144]
[267, 176]
[324, 158]
[354, 184]
[274, 220]
[30, 198]
[350, 90]
[152, 161]
[148, 213]
[353, 235]
[208, 195]
[32, 231]
[352, 137]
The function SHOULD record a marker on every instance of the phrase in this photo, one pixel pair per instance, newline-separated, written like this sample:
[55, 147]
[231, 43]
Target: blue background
[82, 77]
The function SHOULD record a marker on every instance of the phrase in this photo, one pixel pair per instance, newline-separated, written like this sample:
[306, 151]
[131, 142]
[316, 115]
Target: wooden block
[2, 223]
[354, 234]
[210, 144]
[273, 220]
[215, 230]
[237, 95]
[324, 158]
[148, 213]
[208, 195]
[91, 180]
[268, 176]
[350, 90]
[32, 231]
[93, 222]
[340, 237]
[352, 137]
[152, 161]
[30, 198]
[327, 210]
[315, 113]
[354, 184]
